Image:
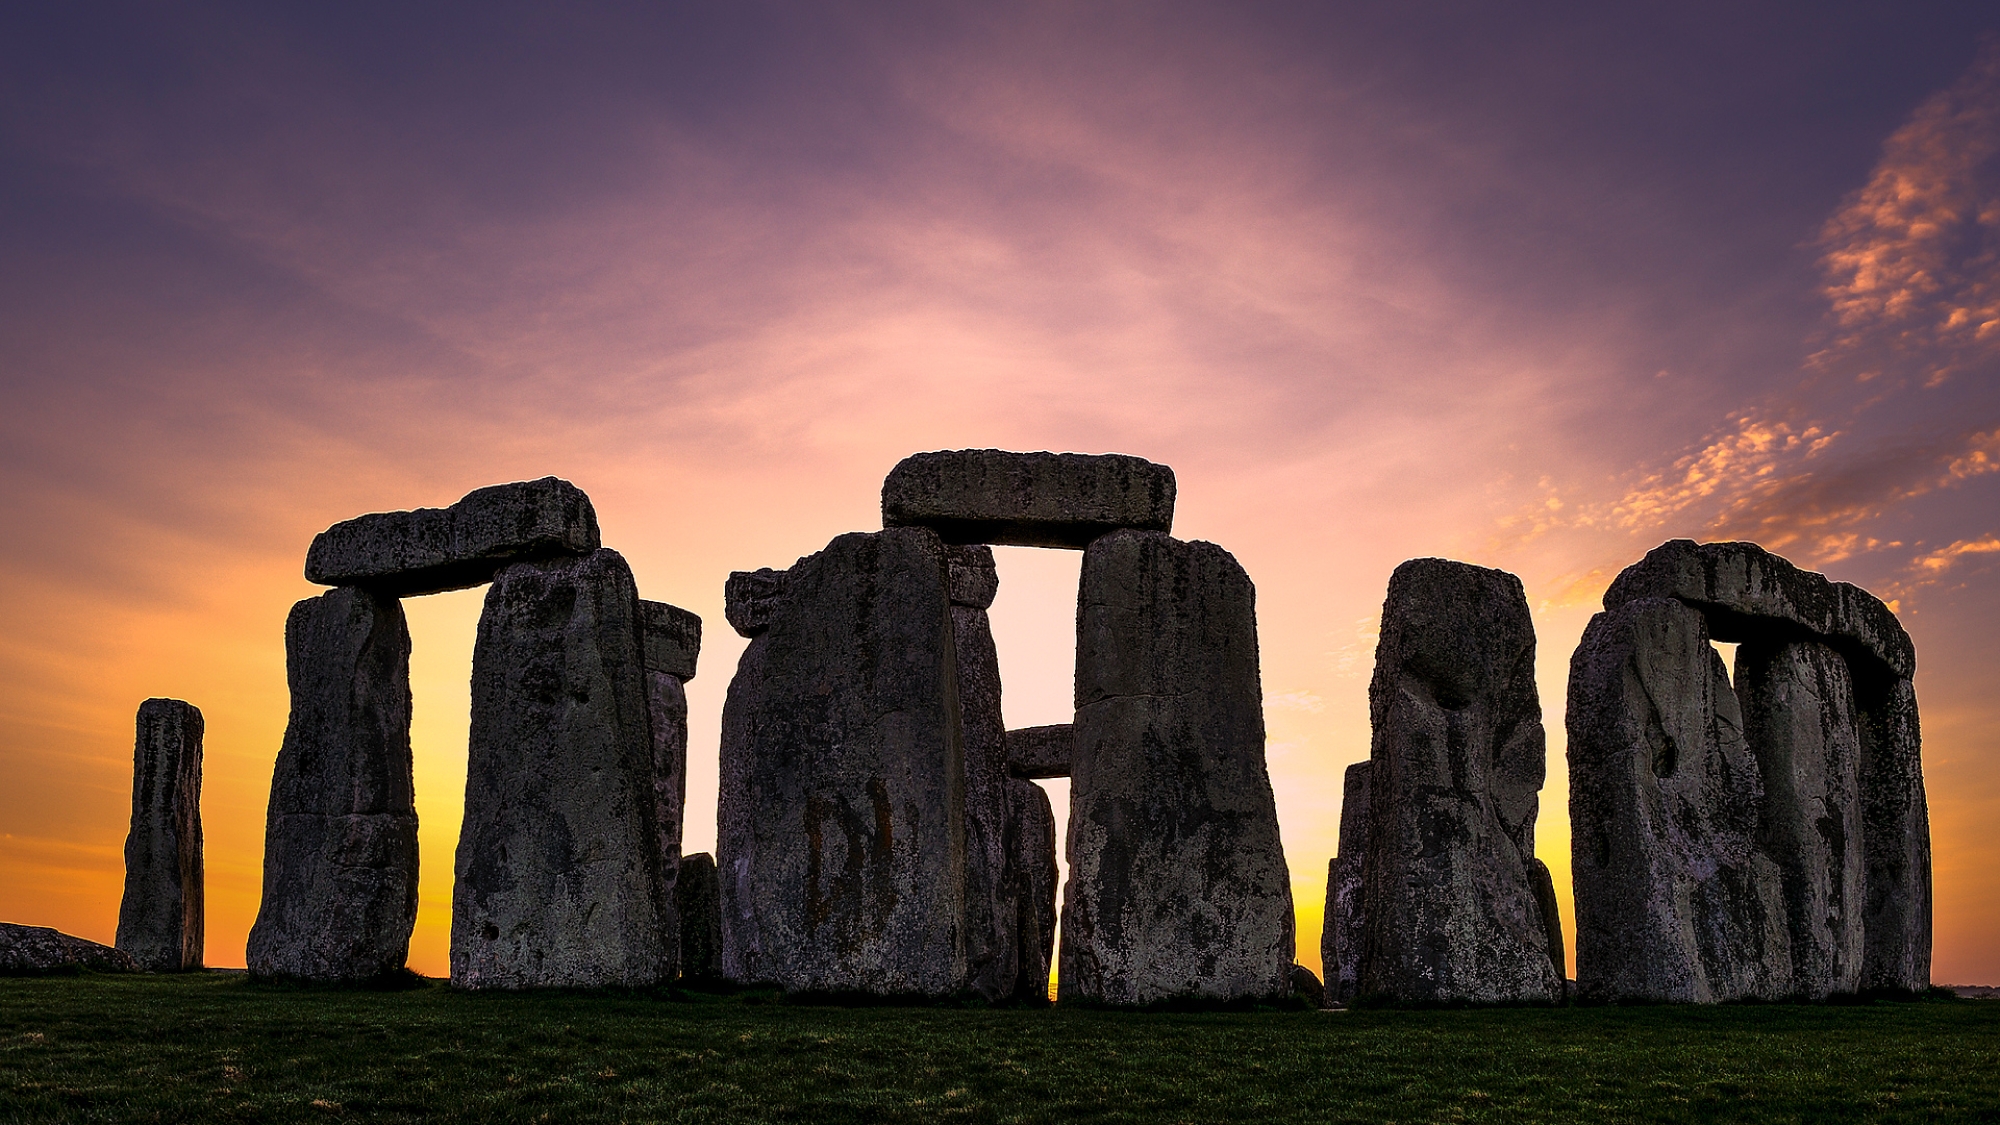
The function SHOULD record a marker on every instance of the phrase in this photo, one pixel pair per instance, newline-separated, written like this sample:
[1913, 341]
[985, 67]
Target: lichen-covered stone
[992, 959]
[698, 901]
[1673, 899]
[841, 828]
[38, 950]
[1895, 840]
[1457, 763]
[433, 549]
[1341, 930]
[160, 918]
[559, 881]
[1041, 751]
[750, 597]
[1032, 874]
[340, 841]
[1177, 881]
[1027, 499]
[673, 639]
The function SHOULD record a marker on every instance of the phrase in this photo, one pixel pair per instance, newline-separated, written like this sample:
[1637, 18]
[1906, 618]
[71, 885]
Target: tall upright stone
[698, 901]
[992, 940]
[340, 841]
[1456, 769]
[1345, 922]
[1177, 886]
[160, 919]
[670, 644]
[1895, 838]
[1674, 901]
[558, 870]
[841, 827]
[1031, 875]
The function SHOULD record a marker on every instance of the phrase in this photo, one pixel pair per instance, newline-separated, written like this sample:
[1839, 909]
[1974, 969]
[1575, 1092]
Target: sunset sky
[1536, 286]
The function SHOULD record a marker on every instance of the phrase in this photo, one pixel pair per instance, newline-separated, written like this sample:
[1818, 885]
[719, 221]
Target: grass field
[214, 1047]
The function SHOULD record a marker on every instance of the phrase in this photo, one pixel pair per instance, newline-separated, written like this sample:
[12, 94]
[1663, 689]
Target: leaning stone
[750, 597]
[1177, 880]
[160, 919]
[435, 549]
[1456, 772]
[698, 901]
[673, 639]
[1345, 922]
[1895, 841]
[340, 843]
[1041, 751]
[1798, 716]
[1750, 594]
[841, 830]
[38, 950]
[559, 881]
[991, 937]
[1673, 900]
[1031, 859]
[1027, 499]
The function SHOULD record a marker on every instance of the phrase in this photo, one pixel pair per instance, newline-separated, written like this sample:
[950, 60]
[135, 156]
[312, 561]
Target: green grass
[212, 1047]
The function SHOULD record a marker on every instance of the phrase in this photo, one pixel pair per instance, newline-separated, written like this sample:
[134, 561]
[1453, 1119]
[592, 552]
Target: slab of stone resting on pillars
[670, 643]
[1346, 910]
[1177, 882]
[1673, 899]
[991, 938]
[1027, 499]
[160, 918]
[1041, 751]
[1032, 874]
[841, 828]
[340, 842]
[697, 899]
[1457, 762]
[435, 549]
[559, 882]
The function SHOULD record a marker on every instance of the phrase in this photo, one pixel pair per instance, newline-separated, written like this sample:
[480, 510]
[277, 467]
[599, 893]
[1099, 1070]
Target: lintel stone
[1027, 499]
[430, 550]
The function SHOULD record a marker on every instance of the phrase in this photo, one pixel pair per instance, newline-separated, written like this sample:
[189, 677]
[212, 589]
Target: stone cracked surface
[35, 950]
[1027, 499]
[750, 597]
[991, 937]
[434, 549]
[673, 639]
[1041, 751]
[1346, 915]
[161, 916]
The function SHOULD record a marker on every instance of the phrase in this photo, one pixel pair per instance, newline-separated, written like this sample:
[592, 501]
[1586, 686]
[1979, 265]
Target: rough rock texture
[160, 919]
[1457, 762]
[1895, 840]
[1748, 593]
[1041, 751]
[1027, 499]
[559, 871]
[1673, 899]
[340, 842]
[1032, 873]
[698, 901]
[991, 927]
[1177, 884]
[750, 597]
[1345, 921]
[35, 950]
[841, 828]
[672, 638]
[1798, 717]
[1307, 987]
[433, 549]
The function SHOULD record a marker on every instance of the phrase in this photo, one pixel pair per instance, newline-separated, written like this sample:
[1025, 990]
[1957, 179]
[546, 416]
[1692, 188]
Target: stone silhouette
[670, 645]
[160, 919]
[435, 549]
[1345, 921]
[698, 901]
[1027, 499]
[749, 598]
[39, 950]
[1031, 872]
[1178, 886]
[1041, 751]
[1456, 769]
[991, 915]
[340, 840]
[559, 869]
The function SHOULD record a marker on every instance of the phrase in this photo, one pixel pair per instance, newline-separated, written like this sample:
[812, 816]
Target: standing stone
[435, 549]
[841, 826]
[1027, 499]
[160, 919]
[1673, 899]
[1346, 911]
[1177, 885]
[340, 843]
[559, 881]
[1456, 774]
[1041, 751]
[991, 916]
[1798, 716]
[1031, 855]
[670, 645]
[1895, 839]
[698, 901]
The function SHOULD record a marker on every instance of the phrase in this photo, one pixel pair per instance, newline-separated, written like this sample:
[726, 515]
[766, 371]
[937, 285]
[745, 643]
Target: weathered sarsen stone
[160, 919]
[672, 639]
[841, 830]
[1041, 751]
[698, 901]
[1674, 901]
[1341, 930]
[1027, 499]
[1456, 769]
[670, 644]
[993, 959]
[340, 841]
[1031, 873]
[559, 880]
[1177, 885]
[750, 597]
[433, 549]
[38, 950]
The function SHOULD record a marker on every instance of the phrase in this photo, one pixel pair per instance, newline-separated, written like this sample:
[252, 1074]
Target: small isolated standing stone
[1027, 499]
[160, 919]
[1457, 763]
[435, 549]
[1177, 886]
[1031, 860]
[340, 842]
[698, 901]
[1346, 910]
[1041, 751]
[36, 950]
[559, 881]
